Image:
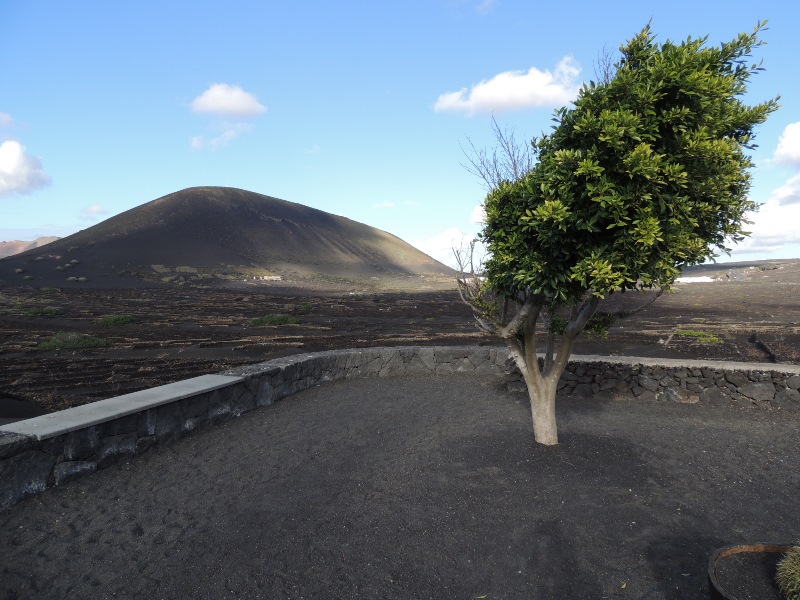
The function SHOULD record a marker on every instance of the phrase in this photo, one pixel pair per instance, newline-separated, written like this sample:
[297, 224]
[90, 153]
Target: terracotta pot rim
[725, 551]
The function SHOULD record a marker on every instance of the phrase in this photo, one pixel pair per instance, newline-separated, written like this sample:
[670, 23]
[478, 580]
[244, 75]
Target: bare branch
[509, 160]
[605, 67]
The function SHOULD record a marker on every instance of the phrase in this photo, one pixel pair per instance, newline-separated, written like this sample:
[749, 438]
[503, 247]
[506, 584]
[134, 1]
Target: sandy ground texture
[418, 488]
[749, 314]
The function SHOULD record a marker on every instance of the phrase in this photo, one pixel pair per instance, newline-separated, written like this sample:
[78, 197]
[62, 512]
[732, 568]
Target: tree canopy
[647, 173]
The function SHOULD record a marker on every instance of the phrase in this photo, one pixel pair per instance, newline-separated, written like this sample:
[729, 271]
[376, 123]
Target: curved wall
[56, 448]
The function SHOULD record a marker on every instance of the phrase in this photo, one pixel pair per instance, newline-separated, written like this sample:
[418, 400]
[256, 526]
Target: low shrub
[700, 336]
[118, 320]
[71, 340]
[788, 574]
[275, 319]
[41, 311]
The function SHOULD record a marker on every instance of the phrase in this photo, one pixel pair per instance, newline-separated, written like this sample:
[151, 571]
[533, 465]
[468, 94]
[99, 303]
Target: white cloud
[386, 204]
[515, 90]
[313, 149]
[788, 193]
[228, 100]
[6, 120]
[440, 246]
[20, 173]
[485, 6]
[197, 142]
[93, 212]
[229, 132]
[774, 225]
[788, 150]
[478, 214]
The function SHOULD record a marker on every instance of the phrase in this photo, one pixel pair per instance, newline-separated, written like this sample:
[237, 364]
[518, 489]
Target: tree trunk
[543, 411]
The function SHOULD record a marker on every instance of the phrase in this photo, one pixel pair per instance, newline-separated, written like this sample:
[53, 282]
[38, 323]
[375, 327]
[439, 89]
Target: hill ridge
[223, 234]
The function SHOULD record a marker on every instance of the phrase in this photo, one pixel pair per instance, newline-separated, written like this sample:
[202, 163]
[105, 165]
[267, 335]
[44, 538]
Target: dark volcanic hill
[211, 235]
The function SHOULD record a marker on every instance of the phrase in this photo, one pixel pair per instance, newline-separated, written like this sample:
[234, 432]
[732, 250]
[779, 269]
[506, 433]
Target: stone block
[146, 423]
[393, 366]
[623, 391]
[406, 354]
[793, 382]
[443, 355]
[169, 422]
[761, 392]
[786, 396]
[569, 376]
[143, 444]
[265, 395]
[14, 443]
[694, 387]
[194, 423]
[668, 382]
[673, 394]
[118, 426]
[65, 472]
[220, 413]
[115, 447]
[24, 475]
[608, 384]
[244, 400]
[648, 383]
[81, 444]
[486, 367]
[460, 352]
[444, 368]
[736, 378]
[194, 406]
[584, 390]
[416, 367]
[428, 358]
[713, 395]
[463, 365]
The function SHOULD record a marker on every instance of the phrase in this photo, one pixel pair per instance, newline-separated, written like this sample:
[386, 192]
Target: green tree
[649, 172]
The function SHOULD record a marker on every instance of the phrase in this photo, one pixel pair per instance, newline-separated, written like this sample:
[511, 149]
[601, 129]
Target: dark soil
[418, 488]
[751, 314]
[750, 575]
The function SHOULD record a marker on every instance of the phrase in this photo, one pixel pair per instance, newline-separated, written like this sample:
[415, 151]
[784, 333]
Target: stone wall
[688, 382]
[54, 449]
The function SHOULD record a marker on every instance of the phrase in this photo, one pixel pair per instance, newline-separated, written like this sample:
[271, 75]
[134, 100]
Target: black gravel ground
[418, 488]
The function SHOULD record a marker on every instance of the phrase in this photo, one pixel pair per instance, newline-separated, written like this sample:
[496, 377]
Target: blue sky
[356, 108]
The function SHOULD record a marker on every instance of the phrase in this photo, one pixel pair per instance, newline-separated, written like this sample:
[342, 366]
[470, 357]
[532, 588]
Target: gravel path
[417, 488]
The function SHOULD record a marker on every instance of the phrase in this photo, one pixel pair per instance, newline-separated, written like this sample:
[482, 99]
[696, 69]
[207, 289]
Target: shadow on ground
[417, 488]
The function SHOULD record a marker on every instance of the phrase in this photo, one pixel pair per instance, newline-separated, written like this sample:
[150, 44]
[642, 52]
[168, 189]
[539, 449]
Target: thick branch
[638, 309]
[580, 316]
